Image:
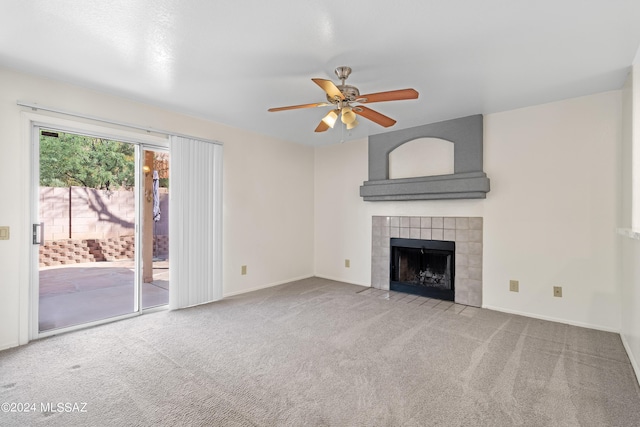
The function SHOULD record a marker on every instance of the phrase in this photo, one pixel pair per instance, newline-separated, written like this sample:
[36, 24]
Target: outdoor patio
[80, 293]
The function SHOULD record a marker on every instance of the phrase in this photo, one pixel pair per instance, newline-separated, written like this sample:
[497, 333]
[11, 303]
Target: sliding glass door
[100, 228]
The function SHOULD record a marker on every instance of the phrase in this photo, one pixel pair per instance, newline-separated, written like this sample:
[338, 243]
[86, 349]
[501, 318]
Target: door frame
[32, 123]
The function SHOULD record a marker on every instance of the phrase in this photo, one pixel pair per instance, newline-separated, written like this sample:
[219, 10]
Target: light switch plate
[4, 233]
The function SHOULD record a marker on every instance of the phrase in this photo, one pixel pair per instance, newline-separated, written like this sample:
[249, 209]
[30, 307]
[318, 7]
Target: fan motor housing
[351, 93]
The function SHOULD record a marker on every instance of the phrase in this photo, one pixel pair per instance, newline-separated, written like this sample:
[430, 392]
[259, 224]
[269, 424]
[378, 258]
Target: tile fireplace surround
[466, 232]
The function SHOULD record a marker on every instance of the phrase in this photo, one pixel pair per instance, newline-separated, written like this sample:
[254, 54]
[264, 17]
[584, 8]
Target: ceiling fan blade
[295, 107]
[392, 95]
[329, 87]
[374, 116]
[322, 126]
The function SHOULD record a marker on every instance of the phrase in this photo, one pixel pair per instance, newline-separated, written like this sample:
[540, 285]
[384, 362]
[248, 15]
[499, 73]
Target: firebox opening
[423, 267]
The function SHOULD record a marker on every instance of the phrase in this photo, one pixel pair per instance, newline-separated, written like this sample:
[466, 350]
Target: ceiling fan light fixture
[330, 118]
[348, 116]
[342, 96]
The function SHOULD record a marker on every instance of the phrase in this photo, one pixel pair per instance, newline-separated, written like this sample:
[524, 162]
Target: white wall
[552, 212]
[635, 152]
[343, 219]
[268, 192]
[630, 248]
[631, 300]
[549, 219]
[422, 157]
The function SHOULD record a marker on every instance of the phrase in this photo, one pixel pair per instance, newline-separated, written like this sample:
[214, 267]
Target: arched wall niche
[422, 157]
[468, 180]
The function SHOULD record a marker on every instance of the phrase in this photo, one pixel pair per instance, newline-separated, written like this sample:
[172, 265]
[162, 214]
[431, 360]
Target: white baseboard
[553, 319]
[8, 345]
[634, 363]
[268, 285]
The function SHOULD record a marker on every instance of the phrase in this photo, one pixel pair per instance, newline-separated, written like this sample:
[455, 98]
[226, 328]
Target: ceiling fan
[343, 97]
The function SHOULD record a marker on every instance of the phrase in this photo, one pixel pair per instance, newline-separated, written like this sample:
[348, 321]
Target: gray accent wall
[467, 182]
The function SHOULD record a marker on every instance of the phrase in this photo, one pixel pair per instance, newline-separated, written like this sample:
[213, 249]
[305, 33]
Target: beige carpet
[318, 353]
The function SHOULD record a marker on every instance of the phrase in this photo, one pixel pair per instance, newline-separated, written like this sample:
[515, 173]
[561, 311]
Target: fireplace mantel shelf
[467, 182]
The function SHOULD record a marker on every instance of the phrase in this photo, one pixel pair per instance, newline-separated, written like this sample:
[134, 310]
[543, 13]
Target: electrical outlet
[243, 270]
[4, 233]
[514, 286]
[557, 291]
[347, 263]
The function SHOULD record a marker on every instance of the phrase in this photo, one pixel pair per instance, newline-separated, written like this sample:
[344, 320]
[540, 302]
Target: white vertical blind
[195, 222]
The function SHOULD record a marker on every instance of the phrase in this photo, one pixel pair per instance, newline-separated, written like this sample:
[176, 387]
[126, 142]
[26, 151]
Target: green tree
[76, 160]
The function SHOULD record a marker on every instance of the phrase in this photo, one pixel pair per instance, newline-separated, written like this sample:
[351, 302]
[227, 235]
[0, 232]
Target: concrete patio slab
[75, 294]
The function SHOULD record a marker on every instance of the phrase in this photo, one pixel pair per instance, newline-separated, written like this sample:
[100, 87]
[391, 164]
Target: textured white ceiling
[231, 61]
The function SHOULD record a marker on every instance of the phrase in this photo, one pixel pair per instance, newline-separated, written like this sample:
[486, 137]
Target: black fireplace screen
[424, 267]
